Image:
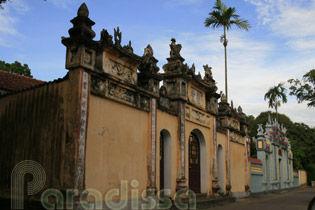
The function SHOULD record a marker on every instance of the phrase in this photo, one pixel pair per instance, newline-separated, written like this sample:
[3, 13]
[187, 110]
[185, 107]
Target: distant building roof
[254, 160]
[14, 82]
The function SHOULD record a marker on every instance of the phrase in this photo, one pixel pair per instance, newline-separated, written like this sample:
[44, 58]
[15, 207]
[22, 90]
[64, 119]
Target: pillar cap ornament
[81, 32]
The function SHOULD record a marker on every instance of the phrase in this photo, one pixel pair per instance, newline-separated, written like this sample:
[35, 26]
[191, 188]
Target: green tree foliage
[16, 68]
[251, 127]
[304, 89]
[226, 17]
[301, 137]
[275, 95]
[310, 168]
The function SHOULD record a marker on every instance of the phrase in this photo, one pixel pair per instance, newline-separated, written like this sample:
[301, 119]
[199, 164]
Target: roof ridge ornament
[175, 61]
[117, 37]
[175, 50]
[81, 32]
[83, 11]
[260, 130]
[149, 62]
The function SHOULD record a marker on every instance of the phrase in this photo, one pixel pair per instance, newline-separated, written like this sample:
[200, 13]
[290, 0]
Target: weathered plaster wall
[296, 179]
[256, 178]
[117, 146]
[39, 124]
[303, 177]
[203, 99]
[238, 167]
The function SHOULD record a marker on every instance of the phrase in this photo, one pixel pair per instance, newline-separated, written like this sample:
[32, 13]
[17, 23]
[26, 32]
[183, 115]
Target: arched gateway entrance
[197, 165]
[165, 160]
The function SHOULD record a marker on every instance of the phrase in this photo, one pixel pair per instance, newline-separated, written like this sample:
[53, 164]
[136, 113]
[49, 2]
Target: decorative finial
[83, 11]
[175, 50]
[208, 72]
[82, 26]
[148, 50]
[148, 63]
[260, 130]
[106, 37]
[223, 98]
[240, 110]
[117, 36]
[193, 68]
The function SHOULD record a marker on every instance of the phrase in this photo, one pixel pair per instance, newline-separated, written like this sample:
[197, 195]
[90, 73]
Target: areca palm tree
[275, 95]
[225, 17]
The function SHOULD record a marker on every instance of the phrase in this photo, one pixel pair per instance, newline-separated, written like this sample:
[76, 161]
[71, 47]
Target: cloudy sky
[280, 44]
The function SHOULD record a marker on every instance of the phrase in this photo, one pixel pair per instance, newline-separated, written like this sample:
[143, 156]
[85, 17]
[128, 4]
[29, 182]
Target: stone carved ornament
[208, 72]
[260, 130]
[117, 37]
[148, 64]
[175, 49]
[106, 37]
[119, 70]
[121, 93]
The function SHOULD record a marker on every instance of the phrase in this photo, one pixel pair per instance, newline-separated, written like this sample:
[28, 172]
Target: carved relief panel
[198, 116]
[119, 70]
[196, 96]
[80, 57]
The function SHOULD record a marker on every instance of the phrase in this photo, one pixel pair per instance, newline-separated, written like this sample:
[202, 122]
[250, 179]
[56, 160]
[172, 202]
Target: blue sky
[280, 45]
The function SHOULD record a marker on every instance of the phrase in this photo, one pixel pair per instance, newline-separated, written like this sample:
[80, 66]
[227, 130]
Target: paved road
[294, 200]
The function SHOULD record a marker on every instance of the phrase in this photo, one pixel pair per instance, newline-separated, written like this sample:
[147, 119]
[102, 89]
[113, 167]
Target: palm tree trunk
[276, 106]
[225, 57]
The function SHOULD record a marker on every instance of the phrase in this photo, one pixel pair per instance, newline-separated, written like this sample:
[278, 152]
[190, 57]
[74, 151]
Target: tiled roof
[15, 82]
[254, 160]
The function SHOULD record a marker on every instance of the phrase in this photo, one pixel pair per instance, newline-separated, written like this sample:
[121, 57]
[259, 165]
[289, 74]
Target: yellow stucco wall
[238, 167]
[117, 145]
[303, 177]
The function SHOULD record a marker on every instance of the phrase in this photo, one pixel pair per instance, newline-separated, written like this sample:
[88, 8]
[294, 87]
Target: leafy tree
[250, 119]
[304, 89]
[225, 17]
[16, 68]
[274, 95]
[310, 168]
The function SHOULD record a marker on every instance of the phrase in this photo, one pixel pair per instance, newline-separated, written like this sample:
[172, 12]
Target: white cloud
[303, 44]
[8, 19]
[249, 74]
[7, 23]
[174, 3]
[64, 4]
[291, 19]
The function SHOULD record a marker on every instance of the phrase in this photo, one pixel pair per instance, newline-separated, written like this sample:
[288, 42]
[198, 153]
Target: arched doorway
[197, 162]
[220, 166]
[165, 160]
